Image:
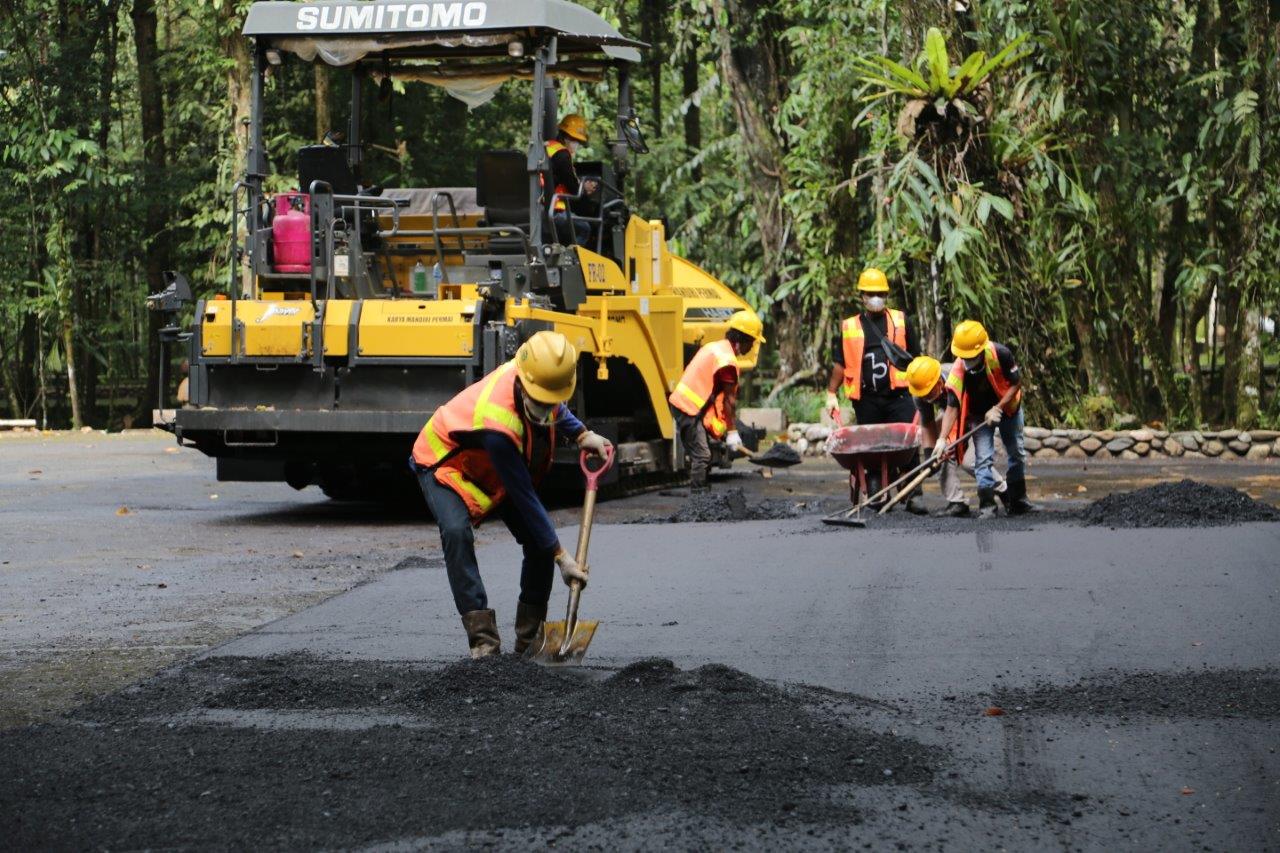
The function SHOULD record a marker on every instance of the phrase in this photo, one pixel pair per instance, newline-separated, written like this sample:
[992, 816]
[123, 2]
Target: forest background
[1101, 187]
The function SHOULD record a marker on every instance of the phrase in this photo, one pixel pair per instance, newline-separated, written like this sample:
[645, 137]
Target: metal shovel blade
[845, 520]
[550, 646]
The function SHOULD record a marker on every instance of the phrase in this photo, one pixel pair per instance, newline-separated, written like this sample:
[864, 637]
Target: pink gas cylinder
[291, 232]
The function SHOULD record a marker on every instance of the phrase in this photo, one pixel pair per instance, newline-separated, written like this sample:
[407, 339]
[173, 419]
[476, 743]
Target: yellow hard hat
[574, 125]
[548, 366]
[969, 339]
[873, 280]
[923, 374]
[748, 323]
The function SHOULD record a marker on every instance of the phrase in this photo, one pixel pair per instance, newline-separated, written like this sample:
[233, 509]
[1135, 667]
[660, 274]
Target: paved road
[1136, 668]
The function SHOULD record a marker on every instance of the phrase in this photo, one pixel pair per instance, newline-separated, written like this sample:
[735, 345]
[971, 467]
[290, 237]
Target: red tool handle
[593, 477]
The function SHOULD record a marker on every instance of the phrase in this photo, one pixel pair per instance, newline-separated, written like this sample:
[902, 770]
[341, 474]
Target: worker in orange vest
[926, 378]
[876, 386]
[564, 177]
[485, 451]
[706, 397]
[985, 388]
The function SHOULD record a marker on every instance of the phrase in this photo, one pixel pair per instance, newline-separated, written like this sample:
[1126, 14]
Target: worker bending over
[706, 398]
[564, 177]
[984, 389]
[485, 451]
[926, 377]
[877, 388]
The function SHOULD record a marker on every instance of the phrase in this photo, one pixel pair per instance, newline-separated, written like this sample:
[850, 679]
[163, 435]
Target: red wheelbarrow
[878, 448]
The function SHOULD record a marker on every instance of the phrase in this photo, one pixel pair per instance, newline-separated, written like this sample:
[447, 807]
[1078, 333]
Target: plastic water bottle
[418, 279]
[437, 275]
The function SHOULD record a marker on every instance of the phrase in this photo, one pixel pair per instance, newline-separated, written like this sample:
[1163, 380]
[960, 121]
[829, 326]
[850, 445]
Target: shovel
[567, 641]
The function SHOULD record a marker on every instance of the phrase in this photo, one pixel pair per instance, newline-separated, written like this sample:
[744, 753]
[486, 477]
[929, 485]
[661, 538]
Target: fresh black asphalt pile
[779, 455]
[729, 505]
[498, 745]
[1183, 504]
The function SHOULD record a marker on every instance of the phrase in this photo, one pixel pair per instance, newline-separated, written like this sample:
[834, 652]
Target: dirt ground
[296, 665]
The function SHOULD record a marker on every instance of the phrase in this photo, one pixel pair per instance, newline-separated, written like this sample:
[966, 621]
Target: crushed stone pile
[731, 505]
[522, 746]
[1183, 504]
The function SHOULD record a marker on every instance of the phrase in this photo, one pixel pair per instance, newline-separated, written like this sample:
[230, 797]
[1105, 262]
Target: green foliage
[1098, 182]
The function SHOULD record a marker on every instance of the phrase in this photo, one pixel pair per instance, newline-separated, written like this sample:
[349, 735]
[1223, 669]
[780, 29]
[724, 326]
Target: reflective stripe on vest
[696, 385]
[554, 147]
[489, 404]
[854, 339]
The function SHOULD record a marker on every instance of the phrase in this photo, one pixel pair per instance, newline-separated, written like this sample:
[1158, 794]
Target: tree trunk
[69, 357]
[155, 251]
[324, 118]
[753, 93]
[239, 94]
[693, 114]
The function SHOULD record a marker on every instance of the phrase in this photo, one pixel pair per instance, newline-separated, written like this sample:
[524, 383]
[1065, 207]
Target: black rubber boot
[529, 621]
[956, 509]
[482, 633]
[1017, 502]
[915, 504]
[698, 481]
[987, 503]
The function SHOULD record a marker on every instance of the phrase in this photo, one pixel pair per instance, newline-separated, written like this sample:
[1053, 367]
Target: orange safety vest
[855, 339]
[489, 404]
[554, 147]
[695, 392]
[999, 383]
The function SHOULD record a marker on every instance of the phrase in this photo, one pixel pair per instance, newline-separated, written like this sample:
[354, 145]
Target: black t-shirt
[977, 385]
[875, 366]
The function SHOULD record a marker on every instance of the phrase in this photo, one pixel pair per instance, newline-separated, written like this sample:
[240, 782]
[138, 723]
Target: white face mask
[874, 304]
[972, 364]
[543, 414]
[573, 146]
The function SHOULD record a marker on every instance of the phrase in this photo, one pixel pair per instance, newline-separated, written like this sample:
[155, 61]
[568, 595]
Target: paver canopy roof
[456, 21]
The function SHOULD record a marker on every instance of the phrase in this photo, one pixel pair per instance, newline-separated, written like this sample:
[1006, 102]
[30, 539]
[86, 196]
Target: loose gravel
[720, 505]
[1202, 694]
[1186, 503]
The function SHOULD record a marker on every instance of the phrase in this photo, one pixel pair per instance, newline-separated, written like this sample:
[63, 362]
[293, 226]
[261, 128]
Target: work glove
[993, 416]
[938, 449]
[594, 443]
[570, 571]
[832, 407]
[734, 441]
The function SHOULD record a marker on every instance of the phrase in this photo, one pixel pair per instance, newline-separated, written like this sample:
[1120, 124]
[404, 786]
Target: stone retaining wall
[1043, 443]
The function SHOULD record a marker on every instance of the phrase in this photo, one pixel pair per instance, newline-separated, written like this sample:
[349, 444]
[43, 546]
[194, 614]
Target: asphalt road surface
[923, 684]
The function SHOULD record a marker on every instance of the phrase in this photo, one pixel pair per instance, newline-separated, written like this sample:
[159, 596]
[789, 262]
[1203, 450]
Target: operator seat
[502, 189]
[326, 163]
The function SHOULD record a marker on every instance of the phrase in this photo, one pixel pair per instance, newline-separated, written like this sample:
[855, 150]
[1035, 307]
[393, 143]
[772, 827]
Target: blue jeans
[984, 451]
[458, 539]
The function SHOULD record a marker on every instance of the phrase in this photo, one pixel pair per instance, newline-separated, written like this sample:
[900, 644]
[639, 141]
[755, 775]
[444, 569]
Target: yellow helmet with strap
[575, 126]
[548, 367]
[923, 374]
[968, 339]
[747, 322]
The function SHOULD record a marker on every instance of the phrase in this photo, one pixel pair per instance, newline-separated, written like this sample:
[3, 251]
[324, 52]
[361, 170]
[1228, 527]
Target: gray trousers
[693, 436]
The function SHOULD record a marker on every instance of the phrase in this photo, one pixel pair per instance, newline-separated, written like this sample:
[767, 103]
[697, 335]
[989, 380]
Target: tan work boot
[482, 633]
[529, 619]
